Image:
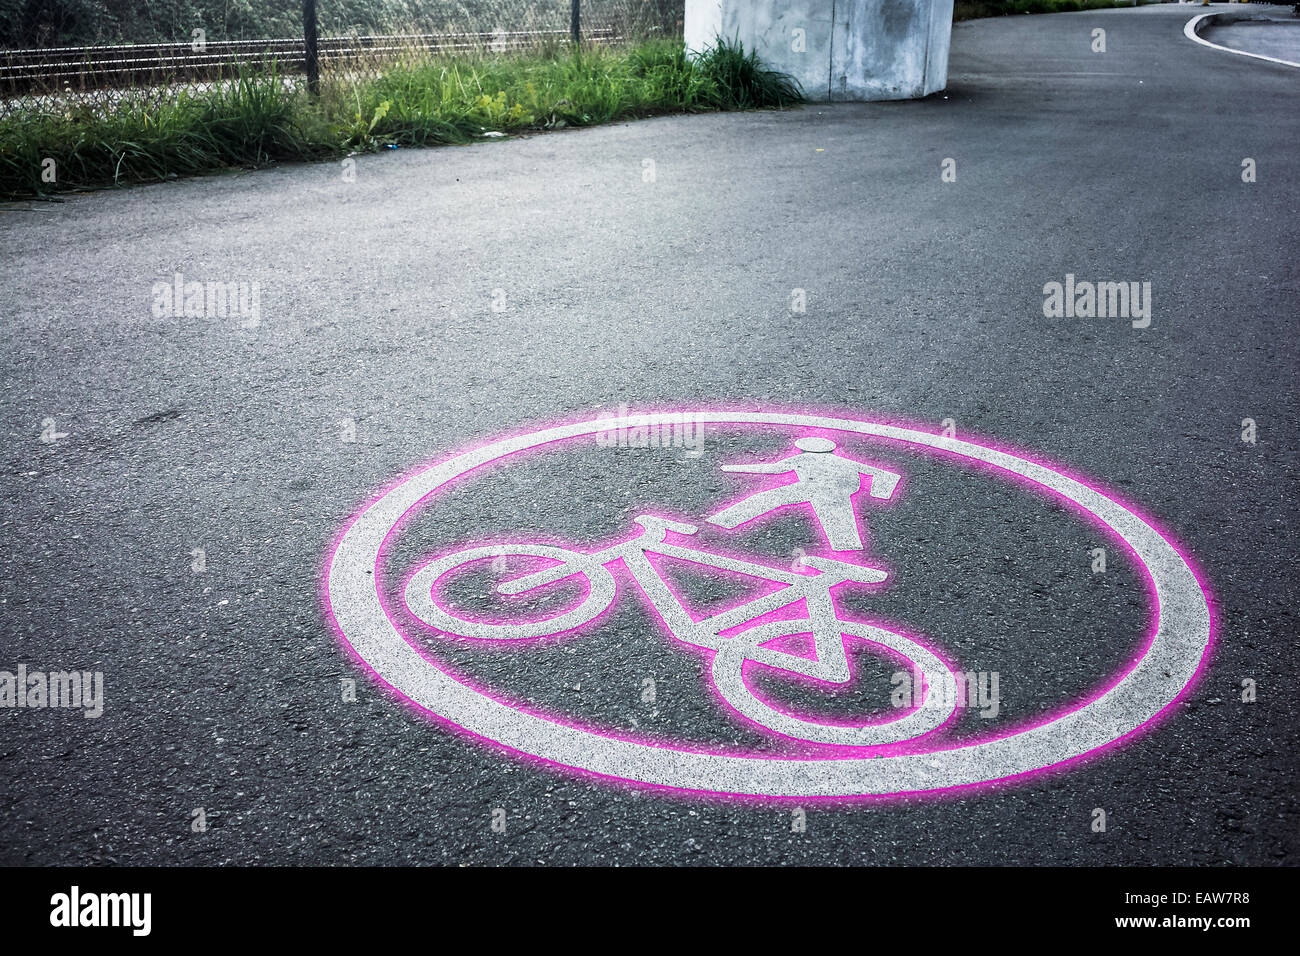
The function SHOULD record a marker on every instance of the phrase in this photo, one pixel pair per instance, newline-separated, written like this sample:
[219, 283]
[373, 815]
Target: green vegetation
[972, 9]
[262, 118]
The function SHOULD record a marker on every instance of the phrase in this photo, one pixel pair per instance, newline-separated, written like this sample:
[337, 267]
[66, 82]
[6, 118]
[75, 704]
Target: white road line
[1189, 31]
[1070, 73]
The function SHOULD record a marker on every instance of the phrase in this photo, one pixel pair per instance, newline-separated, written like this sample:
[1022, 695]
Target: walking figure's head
[815, 444]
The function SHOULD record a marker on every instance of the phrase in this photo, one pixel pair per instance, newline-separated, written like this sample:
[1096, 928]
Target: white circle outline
[1155, 680]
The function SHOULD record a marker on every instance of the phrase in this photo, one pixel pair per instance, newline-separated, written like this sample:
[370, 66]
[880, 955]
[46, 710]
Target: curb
[1195, 25]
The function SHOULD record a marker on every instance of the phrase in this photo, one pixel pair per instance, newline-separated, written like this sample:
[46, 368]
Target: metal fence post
[575, 22]
[312, 51]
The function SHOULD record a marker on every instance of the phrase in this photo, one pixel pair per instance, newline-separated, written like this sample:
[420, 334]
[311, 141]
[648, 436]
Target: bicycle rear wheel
[599, 593]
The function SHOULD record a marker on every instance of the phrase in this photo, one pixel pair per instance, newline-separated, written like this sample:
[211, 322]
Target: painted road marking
[1177, 646]
[734, 637]
[824, 481]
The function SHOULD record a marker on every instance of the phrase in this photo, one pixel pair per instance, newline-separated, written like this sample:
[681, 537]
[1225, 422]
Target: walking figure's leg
[760, 504]
[839, 522]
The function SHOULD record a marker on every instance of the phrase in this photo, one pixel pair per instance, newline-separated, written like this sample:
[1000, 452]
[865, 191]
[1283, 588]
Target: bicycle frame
[707, 633]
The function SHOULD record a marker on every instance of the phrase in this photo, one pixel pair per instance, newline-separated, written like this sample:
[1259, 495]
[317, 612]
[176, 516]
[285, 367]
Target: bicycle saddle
[844, 570]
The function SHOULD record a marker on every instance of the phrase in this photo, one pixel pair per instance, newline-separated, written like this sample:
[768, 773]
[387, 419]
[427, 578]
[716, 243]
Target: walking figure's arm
[883, 482]
[762, 468]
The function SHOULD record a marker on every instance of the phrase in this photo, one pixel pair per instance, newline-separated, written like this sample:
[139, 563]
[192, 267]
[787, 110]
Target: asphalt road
[924, 303]
[1280, 40]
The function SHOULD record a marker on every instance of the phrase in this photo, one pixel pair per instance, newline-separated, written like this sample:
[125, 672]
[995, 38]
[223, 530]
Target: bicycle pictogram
[827, 484]
[799, 635]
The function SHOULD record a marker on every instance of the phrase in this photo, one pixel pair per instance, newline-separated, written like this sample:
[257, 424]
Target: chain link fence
[84, 54]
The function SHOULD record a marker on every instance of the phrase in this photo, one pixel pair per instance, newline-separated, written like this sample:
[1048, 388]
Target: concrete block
[836, 49]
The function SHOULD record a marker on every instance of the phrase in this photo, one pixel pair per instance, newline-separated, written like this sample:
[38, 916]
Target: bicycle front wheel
[936, 706]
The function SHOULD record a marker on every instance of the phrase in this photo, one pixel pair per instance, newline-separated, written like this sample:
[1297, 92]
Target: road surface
[181, 442]
[1279, 39]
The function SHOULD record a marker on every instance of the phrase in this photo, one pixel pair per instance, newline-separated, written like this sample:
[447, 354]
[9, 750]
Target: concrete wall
[851, 49]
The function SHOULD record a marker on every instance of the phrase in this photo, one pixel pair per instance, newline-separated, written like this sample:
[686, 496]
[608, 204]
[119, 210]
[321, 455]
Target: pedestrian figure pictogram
[825, 481]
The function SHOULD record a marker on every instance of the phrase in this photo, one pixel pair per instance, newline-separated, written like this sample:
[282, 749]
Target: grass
[973, 9]
[260, 119]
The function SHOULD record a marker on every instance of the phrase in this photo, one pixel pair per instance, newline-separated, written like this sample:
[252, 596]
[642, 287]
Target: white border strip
[1189, 31]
